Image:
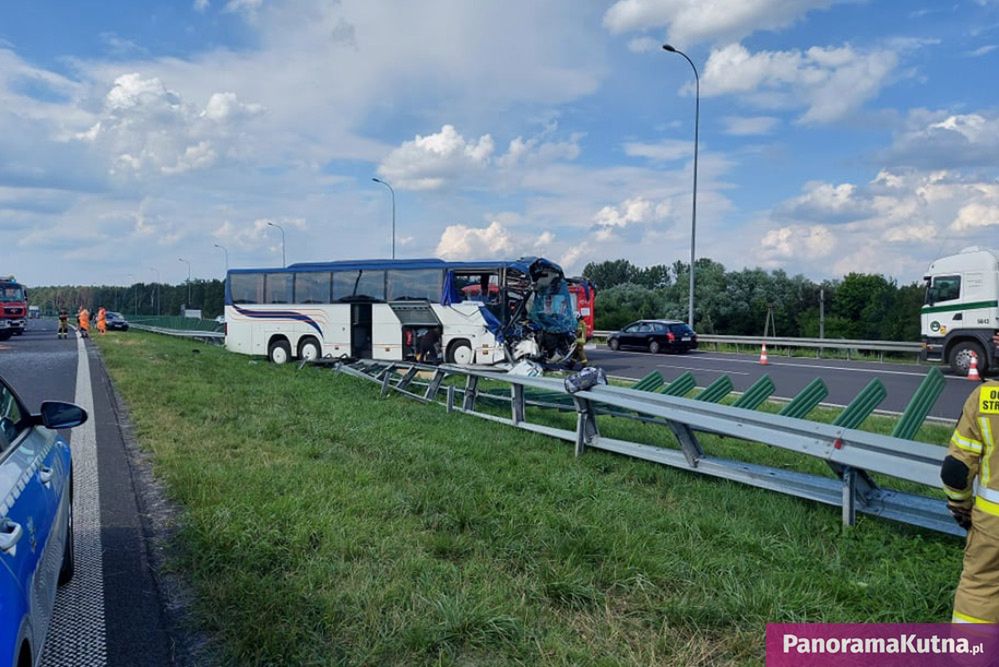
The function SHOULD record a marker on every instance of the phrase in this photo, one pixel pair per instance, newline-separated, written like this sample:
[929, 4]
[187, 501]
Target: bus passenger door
[360, 330]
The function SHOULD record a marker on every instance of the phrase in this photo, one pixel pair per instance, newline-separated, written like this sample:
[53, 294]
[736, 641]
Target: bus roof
[523, 264]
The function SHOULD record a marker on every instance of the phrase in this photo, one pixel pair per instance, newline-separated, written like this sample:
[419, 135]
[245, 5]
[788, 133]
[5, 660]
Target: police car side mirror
[57, 415]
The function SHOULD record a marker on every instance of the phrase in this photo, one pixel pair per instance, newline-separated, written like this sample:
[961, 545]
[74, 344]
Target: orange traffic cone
[973, 369]
[763, 355]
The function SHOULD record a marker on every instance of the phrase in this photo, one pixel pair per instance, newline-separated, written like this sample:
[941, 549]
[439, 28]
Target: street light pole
[135, 299]
[223, 248]
[693, 210]
[284, 262]
[188, 305]
[157, 272]
[378, 180]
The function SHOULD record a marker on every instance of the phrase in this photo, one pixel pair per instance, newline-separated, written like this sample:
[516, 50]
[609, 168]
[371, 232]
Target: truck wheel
[960, 357]
[279, 352]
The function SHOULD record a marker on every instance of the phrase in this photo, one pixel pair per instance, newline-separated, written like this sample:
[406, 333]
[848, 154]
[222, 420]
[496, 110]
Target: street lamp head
[669, 47]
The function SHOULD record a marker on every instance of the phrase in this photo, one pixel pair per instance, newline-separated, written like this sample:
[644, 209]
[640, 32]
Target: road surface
[110, 612]
[845, 379]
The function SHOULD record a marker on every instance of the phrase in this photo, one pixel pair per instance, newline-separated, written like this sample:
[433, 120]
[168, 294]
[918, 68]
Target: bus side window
[246, 288]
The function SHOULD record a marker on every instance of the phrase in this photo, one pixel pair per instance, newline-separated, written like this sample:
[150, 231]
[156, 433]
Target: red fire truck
[13, 306]
[584, 297]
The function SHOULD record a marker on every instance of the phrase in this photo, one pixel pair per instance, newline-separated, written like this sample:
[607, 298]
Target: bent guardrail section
[845, 344]
[196, 334]
[852, 455]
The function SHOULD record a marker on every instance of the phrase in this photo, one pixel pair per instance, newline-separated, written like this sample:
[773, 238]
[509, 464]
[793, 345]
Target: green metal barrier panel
[756, 394]
[716, 391]
[862, 406]
[650, 382]
[806, 401]
[922, 402]
[681, 386]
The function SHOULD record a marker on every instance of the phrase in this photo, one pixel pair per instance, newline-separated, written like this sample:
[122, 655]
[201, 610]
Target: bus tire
[279, 352]
[960, 357]
[460, 352]
[309, 350]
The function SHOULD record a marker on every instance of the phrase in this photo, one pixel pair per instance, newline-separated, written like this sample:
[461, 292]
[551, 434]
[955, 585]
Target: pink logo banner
[882, 645]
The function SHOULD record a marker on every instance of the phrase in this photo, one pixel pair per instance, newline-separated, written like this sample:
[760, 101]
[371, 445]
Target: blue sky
[836, 135]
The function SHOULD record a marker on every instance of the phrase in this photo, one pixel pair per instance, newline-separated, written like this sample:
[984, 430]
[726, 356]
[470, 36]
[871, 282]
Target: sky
[835, 135]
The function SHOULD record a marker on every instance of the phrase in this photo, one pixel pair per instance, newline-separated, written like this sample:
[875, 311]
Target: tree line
[137, 299]
[860, 305]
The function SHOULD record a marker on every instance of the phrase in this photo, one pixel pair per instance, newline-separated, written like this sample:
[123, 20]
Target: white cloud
[464, 242]
[944, 140]
[634, 211]
[691, 21]
[743, 126]
[433, 161]
[201, 6]
[257, 234]
[983, 50]
[668, 150]
[799, 241]
[146, 127]
[976, 215]
[829, 82]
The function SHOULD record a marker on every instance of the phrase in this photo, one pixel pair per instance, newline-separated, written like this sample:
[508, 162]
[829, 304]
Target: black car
[655, 336]
[117, 321]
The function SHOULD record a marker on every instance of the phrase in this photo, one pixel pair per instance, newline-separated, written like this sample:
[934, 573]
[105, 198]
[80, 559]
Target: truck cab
[960, 312]
[13, 305]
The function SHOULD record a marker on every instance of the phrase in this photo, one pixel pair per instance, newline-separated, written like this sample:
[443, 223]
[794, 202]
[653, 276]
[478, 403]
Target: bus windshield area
[11, 293]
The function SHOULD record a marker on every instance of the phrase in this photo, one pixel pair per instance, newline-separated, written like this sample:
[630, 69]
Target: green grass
[322, 525]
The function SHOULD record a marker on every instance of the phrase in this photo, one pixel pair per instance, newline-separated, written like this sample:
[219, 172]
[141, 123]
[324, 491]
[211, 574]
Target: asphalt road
[845, 379]
[110, 612]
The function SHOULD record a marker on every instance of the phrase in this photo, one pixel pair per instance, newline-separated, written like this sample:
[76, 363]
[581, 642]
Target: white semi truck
[961, 310]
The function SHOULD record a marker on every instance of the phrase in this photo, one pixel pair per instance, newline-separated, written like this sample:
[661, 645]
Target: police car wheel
[279, 352]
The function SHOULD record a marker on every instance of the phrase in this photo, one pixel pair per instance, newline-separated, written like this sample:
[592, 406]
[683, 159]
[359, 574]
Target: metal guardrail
[852, 455]
[208, 336]
[846, 344]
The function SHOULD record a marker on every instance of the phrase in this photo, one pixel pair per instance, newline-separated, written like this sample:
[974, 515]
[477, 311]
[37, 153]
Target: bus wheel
[308, 350]
[279, 352]
[460, 352]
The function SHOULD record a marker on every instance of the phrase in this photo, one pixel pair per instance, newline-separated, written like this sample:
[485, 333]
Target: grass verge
[325, 526]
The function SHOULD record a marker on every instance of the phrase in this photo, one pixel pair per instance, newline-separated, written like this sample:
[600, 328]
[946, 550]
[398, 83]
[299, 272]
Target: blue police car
[36, 521]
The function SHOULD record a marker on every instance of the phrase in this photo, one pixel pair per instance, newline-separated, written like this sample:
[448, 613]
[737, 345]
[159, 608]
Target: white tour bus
[422, 309]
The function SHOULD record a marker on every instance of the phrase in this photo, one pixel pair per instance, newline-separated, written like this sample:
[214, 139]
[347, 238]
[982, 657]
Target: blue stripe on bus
[279, 315]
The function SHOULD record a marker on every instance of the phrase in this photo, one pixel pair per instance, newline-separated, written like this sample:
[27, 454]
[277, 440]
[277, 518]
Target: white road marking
[705, 370]
[77, 635]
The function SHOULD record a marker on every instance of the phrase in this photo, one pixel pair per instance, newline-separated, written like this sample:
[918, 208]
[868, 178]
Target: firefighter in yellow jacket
[970, 474]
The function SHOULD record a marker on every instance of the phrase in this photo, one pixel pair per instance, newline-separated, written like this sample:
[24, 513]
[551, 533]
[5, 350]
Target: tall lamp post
[378, 180]
[223, 249]
[693, 210]
[188, 281]
[284, 262]
[135, 300]
[157, 293]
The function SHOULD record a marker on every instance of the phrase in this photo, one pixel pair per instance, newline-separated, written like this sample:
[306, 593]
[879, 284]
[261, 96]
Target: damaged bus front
[526, 305]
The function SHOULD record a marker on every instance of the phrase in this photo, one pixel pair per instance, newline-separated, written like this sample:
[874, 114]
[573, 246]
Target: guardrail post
[471, 389]
[434, 386]
[450, 398]
[517, 403]
[849, 496]
[586, 424]
[688, 442]
[386, 378]
[408, 377]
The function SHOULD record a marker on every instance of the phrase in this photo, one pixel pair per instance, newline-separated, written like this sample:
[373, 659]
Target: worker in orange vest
[84, 319]
[102, 320]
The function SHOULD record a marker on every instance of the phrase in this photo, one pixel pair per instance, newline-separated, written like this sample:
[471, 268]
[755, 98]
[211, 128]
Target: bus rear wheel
[308, 350]
[279, 352]
[460, 352]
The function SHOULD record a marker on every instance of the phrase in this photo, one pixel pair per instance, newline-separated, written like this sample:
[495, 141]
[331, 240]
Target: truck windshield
[11, 293]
